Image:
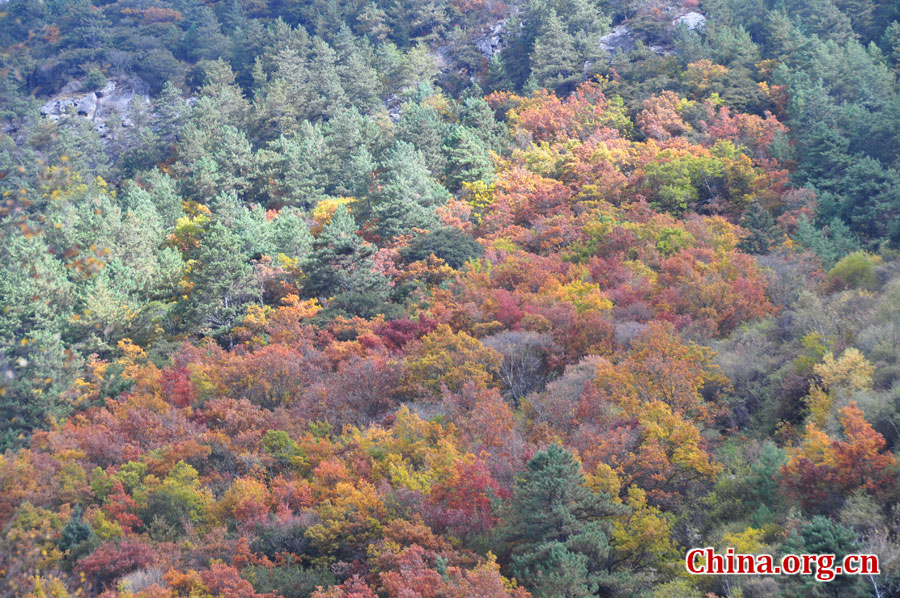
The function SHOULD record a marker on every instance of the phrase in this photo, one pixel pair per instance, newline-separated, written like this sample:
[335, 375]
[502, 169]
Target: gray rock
[115, 97]
[663, 50]
[492, 41]
[54, 109]
[691, 20]
[393, 105]
[73, 86]
[442, 57]
[618, 40]
[87, 106]
[107, 90]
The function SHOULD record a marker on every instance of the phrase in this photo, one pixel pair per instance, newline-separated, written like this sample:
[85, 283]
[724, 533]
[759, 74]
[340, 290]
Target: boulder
[86, 106]
[618, 40]
[107, 90]
[492, 41]
[691, 20]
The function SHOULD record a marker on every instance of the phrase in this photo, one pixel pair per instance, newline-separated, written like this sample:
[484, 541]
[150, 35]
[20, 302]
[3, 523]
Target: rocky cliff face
[119, 96]
[491, 42]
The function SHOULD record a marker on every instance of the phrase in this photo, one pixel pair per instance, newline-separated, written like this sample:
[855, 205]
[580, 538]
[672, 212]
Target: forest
[447, 298]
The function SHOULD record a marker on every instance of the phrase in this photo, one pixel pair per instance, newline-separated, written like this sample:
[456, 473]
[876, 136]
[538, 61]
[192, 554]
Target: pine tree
[782, 37]
[822, 18]
[294, 169]
[221, 279]
[497, 78]
[467, 159]
[422, 127]
[821, 145]
[204, 39]
[350, 137]
[87, 35]
[808, 236]
[830, 243]
[372, 21]
[762, 230]
[359, 174]
[408, 195]
[341, 261]
[516, 63]
[862, 16]
[358, 77]
[556, 528]
[823, 536]
[249, 225]
[477, 115]
[869, 199]
[171, 112]
[76, 530]
[554, 62]
[290, 234]
[890, 42]
[213, 159]
[163, 191]
[222, 101]
[36, 300]
[842, 238]
[324, 95]
[235, 17]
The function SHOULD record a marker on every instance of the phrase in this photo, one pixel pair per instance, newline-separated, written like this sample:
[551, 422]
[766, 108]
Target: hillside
[447, 298]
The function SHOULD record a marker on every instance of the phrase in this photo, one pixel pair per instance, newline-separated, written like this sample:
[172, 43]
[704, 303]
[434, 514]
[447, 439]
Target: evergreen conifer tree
[556, 528]
[341, 260]
[554, 62]
[408, 195]
[762, 230]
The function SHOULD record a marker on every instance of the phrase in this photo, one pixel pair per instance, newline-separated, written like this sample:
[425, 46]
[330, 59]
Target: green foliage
[855, 271]
[554, 62]
[278, 182]
[289, 581]
[341, 260]
[552, 42]
[467, 159]
[408, 194]
[556, 529]
[279, 444]
[824, 536]
[829, 244]
[167, 505]
[452, 245]
[762, 230]
[95, 80]
[75, 532]
[290, 234]
[221, 281]
[296, 169]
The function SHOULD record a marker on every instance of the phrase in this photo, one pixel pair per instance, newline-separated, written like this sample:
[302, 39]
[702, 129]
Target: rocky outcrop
[692, 20]
[622, 40]
[618, 40]
[492, 41]
[116, 97]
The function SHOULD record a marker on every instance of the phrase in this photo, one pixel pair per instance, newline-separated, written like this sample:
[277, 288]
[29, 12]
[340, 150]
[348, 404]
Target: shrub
[452, 245]
[855, 271]
[290, 582]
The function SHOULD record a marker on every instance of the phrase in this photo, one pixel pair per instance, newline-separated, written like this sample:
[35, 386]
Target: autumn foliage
[362, 455]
